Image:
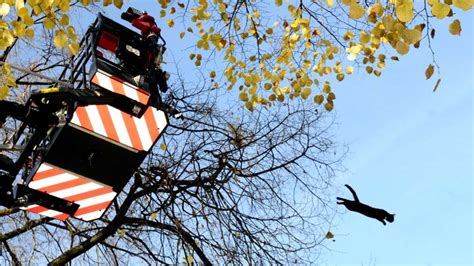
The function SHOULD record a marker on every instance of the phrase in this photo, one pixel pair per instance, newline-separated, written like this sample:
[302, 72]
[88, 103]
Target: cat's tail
[353, 192]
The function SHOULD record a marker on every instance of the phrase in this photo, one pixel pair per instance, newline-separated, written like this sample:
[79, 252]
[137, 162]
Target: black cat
[356, 206]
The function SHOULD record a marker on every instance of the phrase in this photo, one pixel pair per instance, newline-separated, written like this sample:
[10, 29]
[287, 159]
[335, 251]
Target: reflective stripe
[45, 167]
[142, 130]
[92, 197]
[75, 190]
[160, 119]
[136, 133]
[88, 194]
[41, 174]
[96, 120]
[107, 120]
[51, 180]
[120, 127]
[91, 208]
[90, 216]
[98, 199]
[132, 131]
[50, 213]
[115, 85]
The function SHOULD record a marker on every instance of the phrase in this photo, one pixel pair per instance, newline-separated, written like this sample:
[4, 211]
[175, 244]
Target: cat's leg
[341, 200]
[382, 221]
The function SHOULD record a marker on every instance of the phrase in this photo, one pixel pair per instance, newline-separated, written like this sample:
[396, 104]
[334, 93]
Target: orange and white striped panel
[113, 84]
[92, 197]
[137, 133]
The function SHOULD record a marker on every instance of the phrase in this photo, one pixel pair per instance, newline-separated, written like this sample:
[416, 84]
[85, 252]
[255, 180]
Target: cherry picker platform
[88, 134]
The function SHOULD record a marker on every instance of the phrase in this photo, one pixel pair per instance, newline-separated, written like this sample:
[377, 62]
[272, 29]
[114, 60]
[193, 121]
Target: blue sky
[410, 152]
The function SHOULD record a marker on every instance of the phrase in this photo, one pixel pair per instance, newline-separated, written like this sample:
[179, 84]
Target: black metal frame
[81, 92]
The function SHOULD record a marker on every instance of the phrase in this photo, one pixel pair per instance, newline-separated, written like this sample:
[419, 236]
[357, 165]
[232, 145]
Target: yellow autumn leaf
[326, 87]
[11, 81]
[331, 96]
[356, 11]
[318, 99]
[330, 3]
[329, 106]
[121, 232]
[388, 22]
[429, 71]
[278, 2]
[305, 94]
[37, 10]
[28, 20]
[6, 39]
[281, 97]
[402, 48]
[349, 70]
[107, 2]
[163, 147]
[4, 91]
[4, 9]
[49, 23]
[189, 259]
[19, 4]
[170, 23]
[153, 216]
[71, 31]
[378, 9]
[60, 39]
[212, 74]
[18, 28]
[30, 33]
[64, 20]
[340, 77]
[118, 3]
[181, 34]
[73, 48]
[364, 37]
[455, 27]
[369, 69]
[440, 10]
[404, 10]
[23, 13]
[63, 5]
[6, 69]
[411, 36]
[463, 4]
[329, 235]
